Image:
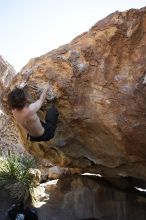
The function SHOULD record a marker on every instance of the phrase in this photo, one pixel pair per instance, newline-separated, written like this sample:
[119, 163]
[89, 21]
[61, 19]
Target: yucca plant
[15, 176]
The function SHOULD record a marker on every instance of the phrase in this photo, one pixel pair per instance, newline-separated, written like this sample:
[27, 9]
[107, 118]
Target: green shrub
[15, 177]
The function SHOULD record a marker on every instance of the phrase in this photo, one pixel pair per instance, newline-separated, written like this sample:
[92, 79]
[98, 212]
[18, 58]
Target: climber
[26, 115]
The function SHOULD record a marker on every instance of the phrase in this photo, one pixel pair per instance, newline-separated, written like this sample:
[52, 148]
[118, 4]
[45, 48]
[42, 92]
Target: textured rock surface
[7, 72]
[9, 135]
[80, 198]
[99, 80]
[76, 198]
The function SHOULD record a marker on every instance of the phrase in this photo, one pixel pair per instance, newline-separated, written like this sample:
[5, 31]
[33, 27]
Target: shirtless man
[26, 115]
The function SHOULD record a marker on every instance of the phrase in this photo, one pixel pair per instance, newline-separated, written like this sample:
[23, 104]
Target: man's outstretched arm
[34, 107]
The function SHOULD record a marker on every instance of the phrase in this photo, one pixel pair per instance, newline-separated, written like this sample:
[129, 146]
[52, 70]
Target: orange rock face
[99, 80]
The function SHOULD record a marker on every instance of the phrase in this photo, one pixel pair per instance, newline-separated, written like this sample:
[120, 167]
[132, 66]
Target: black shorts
[49, 126]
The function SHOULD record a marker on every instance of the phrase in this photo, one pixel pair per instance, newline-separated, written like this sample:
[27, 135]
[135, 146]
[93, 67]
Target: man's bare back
[29, 120]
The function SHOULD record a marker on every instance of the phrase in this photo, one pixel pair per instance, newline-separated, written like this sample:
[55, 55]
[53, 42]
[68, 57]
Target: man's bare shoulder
[29, 111]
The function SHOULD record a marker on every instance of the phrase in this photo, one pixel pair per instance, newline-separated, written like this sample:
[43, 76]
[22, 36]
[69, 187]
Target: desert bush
[15, 176]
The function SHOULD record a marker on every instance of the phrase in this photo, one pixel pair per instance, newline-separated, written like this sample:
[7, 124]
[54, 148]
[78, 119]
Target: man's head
[17, 99]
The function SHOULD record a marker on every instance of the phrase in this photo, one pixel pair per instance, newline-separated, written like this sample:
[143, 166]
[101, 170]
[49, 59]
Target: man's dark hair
[17, 99]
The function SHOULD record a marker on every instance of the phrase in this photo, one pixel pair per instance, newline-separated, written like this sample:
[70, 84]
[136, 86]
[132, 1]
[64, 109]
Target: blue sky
[30, 28]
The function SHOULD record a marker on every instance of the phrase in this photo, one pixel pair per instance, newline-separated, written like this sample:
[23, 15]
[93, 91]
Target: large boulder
[99, 80]
[9, 135]
[81, 197]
